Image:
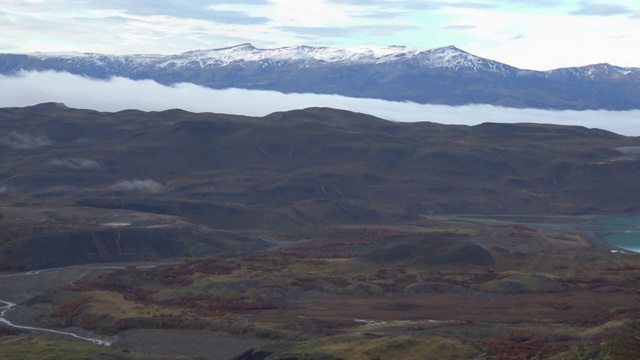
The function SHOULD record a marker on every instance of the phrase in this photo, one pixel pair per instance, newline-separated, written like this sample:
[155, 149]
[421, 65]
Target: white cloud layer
[121, 94]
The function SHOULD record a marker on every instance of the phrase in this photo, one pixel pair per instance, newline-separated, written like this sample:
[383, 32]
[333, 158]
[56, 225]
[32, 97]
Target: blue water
[623, 232]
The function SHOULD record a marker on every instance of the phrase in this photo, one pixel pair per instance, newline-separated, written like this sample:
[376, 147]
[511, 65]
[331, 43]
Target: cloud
[77, 164]
[408, 6]
[119, 26]
[380, 30]
[137, 185]
[18, 141]
[243, 2]
[381, 14]
[415, 4]
[379, 3]
[325, 31]
[602, 9]
[554, 36]
[536, 3]
[194, 9]
[369, 30]
[468, 5]
[109, 20]
[120, 94]
[459, 27]
[236, 17]
[550, 38]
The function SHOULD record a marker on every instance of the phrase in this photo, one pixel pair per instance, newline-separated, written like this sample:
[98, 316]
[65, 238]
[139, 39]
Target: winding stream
[9, 305]
[6, 306]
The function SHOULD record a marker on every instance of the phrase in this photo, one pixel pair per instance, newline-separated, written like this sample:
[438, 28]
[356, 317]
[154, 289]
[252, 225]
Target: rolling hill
[184, 183]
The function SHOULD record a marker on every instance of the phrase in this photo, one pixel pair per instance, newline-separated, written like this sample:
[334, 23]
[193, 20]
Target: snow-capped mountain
[445, 75]
[448, 57]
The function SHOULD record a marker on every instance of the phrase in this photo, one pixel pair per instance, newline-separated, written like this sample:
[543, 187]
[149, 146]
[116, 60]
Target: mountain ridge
[446, 75]
[247, 52]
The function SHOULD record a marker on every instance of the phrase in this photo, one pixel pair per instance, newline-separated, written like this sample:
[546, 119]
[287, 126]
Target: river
[15, 288]
[8, 305]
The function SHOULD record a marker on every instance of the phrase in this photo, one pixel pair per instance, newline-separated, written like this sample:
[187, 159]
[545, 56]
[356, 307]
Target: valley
[312, 234]
[349, 292]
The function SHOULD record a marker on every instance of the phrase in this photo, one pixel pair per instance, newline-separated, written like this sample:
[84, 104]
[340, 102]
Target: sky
[529, 34]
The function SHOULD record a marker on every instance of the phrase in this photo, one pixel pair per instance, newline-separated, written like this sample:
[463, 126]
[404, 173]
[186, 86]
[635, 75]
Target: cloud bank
[121, 94]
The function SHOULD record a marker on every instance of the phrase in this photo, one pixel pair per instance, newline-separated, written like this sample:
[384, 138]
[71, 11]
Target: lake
[623, 232]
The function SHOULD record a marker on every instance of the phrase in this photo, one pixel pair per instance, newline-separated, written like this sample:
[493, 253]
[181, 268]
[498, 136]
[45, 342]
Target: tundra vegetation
[211, 236]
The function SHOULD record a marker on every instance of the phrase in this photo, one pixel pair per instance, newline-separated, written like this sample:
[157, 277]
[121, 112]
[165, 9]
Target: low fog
[117, 94]
[18, 141]
[76, 164]
[137, 185]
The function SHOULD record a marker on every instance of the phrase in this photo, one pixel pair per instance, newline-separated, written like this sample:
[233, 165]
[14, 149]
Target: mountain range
[447, 75]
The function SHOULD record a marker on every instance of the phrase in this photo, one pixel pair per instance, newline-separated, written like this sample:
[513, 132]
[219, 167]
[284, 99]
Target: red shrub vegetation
[526, 346]
[69, 310]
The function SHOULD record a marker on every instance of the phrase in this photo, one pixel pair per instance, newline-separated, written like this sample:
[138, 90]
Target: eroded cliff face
[70, 236]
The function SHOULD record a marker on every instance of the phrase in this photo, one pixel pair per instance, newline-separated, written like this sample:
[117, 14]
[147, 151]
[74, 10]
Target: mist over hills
[203, 180]
[448, 75]
[117, 94]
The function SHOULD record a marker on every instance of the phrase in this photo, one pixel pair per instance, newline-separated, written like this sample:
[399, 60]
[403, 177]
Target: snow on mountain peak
[449, 57]
[303, 56]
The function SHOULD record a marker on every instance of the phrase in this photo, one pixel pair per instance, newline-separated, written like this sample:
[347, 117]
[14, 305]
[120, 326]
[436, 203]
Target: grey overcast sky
[532, 34]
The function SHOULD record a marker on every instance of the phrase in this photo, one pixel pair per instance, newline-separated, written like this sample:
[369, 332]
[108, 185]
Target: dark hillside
[290, 170]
